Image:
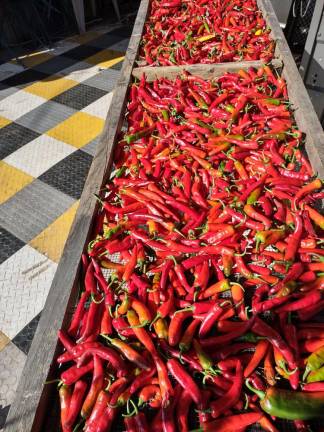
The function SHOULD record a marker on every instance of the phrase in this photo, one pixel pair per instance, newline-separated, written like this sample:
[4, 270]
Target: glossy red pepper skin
[263, 329]
[211, 317]
[74, 373]
[294, 240]
[95, 388]
[175, 326]
[78, 314]
[232, 396]
[65, 400]
[184, 379]
[75, 403]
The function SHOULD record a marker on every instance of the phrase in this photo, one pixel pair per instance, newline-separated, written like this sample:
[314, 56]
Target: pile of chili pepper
[204, 31]
[203, 281]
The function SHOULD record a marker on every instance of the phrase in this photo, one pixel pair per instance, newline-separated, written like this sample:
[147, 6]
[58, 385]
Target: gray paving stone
[55, 64]
[104, 80]
[91, 147]
[105, 40]
[6, 91]
[76, 66]
[12, 361]
[32, 209]
[46, 116]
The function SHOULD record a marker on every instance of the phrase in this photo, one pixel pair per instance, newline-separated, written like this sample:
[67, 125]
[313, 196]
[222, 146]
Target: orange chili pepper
[238, 298]
[220, 286]
[260, 352]
[269, 372]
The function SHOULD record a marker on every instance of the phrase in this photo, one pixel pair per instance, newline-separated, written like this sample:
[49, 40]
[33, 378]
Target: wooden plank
[305, 114]
[30, 406]
[203, 70]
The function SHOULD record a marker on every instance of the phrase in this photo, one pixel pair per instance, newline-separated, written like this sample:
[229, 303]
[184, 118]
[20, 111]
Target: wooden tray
[33, 405]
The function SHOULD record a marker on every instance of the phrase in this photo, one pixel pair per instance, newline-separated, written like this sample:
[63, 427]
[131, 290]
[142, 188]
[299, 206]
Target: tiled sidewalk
[50, 118]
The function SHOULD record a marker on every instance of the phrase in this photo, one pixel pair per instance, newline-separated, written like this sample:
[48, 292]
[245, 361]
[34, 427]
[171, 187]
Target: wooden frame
[28, 411]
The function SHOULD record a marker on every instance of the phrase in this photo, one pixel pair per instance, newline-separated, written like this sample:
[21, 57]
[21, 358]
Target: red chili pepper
[151, 394]
[75, 403]
[211, 317]
[78, 314]
[100, 405]
[263, 329]
[74, 373]
[129, 352]
[96, 387]
[250, 211]
[234, 422]
[182, 412]
[232, 396]
[65, 400]
[188, 335]
[106, 354]
[95, 313]
[220, 340]
[175, 326]
[309, 299]
[164, 382]
[184, 379]
[294, 240]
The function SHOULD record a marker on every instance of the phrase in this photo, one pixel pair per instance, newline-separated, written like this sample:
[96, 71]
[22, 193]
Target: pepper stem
[259, 393]
[188, 309]
[106, 337]
[307, 370]
[157, 317]
[78, 426]
[143, 324]
[134, 412]
[97, 301]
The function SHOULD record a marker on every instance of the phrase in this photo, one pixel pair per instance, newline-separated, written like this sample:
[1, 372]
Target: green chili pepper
[290, 405]
[254, 195]
[206, 27]
[250, 337]
[120, 171]
[165, 115]
[236, 136]
[172, 58]
[111, 231]
[229, 108]
[205, 125]
[273, 101]
[140, 134]
[204, 359]
[317, 375]
[315, 361]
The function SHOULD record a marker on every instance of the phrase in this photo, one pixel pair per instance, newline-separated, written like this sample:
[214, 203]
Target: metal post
[312, 64]
[78, 7]
[116, 7]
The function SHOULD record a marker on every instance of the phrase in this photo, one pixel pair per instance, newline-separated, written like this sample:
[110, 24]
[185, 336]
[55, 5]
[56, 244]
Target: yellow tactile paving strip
[12, 180]
[4, 122]
[51, 241]
[106, 58]
[77, 130]
[51, 86]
